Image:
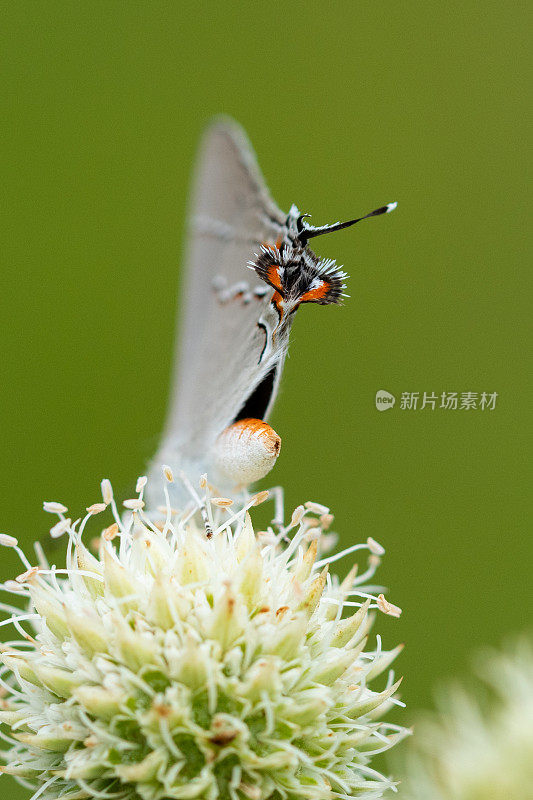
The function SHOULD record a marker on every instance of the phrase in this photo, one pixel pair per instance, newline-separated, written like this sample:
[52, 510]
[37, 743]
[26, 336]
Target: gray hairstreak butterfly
[248, 269]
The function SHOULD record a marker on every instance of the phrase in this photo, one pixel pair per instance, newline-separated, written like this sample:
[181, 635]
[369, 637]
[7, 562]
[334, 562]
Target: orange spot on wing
[273, 277]
[262, 430]
[316, 294]
[277, 299]
[252, 425]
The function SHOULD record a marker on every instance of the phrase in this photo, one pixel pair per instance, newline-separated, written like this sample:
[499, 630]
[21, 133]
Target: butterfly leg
[240, 290]
[201, 505]
[205, 520]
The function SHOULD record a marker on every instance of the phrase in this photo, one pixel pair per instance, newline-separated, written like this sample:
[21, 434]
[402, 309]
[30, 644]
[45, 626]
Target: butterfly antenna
[309, 232]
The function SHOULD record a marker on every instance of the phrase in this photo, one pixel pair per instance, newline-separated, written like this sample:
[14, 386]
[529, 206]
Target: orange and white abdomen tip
[246, 451]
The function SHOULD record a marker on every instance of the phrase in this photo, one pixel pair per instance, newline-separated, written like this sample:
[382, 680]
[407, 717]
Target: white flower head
[195, 658]
[479, 749]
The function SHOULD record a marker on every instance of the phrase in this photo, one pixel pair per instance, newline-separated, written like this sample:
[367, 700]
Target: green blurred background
[349, 105]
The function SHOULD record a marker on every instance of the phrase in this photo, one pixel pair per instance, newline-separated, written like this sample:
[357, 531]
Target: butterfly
[248, 268]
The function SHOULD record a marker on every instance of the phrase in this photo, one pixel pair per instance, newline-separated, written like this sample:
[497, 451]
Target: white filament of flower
[204, 599]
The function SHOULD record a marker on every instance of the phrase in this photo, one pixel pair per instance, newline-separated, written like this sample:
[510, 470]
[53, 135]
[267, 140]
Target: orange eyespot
[250, 426]
[245, 452]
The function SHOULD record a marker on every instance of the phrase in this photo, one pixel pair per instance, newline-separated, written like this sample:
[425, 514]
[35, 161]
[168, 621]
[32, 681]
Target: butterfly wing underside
[219, 341]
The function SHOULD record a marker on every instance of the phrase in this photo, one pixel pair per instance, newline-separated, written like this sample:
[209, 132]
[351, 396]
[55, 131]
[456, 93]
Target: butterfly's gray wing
[220, 343]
